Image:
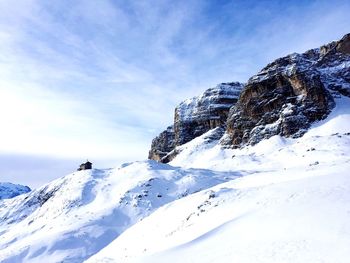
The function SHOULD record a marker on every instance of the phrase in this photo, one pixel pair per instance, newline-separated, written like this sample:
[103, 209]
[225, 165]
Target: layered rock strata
[194, 117]
[289, 94]
[284, 98]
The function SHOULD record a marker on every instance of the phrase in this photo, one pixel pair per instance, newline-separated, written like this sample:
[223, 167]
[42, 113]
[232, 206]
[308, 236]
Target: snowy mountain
[290, 94]
[269, 185]
[9, 190]
[284, 98]
[75, 216]
[291, 205]
[194, 117]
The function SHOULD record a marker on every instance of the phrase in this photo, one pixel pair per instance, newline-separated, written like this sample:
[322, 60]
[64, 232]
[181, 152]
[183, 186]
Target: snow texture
[291, 205]
[75, 216]
[282, 200]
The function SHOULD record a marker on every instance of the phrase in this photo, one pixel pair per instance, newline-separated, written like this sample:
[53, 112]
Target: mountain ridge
[285, 97]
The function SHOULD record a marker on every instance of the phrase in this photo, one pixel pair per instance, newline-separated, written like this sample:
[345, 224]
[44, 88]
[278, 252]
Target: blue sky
[100, 79]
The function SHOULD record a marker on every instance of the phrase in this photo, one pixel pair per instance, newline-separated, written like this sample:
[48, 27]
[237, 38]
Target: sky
[97, 80]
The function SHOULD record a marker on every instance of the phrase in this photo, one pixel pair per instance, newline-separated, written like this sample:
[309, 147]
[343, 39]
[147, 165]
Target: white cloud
[98, 79]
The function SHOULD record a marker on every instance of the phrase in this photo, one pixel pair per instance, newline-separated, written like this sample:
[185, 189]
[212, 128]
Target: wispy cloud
[99, 79]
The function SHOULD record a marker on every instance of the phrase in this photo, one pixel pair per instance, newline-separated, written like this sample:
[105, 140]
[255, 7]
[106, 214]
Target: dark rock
[170, 156]
[162, 144]
[343, 45]
[288, 95]
[194, 117]
[284, 98]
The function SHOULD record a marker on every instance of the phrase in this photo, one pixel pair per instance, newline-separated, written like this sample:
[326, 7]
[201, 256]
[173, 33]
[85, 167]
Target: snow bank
[75, 216]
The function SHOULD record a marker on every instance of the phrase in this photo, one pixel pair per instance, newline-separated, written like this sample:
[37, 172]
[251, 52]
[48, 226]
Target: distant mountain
[9, 190]
[255, 173]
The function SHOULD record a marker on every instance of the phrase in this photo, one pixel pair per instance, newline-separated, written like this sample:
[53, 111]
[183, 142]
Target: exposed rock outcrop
[194, 117]
[343, 45]
[291, 93]
[162, 144]
[284, 98]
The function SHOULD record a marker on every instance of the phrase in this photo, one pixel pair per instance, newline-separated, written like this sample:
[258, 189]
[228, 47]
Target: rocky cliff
[195, 116]
[162, 144]
[284, 98]
[289, 94]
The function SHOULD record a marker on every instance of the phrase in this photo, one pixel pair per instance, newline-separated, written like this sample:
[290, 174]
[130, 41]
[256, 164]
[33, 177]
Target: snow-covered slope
[251, 220]
[75, 216]
[292, 205]
[325, 141]
[9, 190]
[282, 200]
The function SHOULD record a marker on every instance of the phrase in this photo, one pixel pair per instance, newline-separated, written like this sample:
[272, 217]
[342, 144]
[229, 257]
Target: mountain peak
[343, 45]
[194, 117]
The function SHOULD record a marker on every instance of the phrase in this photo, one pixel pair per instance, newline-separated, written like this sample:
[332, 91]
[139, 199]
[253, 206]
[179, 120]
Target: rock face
[162, 144]
[194, 117]
[343, 46]
[291, 93]
[284, 98]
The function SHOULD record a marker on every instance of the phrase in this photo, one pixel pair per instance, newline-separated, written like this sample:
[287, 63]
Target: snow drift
[77, 215]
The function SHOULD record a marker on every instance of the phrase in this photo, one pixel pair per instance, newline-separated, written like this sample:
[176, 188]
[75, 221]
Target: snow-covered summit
[9, 190]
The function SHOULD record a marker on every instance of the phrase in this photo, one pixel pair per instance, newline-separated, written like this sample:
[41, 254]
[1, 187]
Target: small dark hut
[85, 166]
